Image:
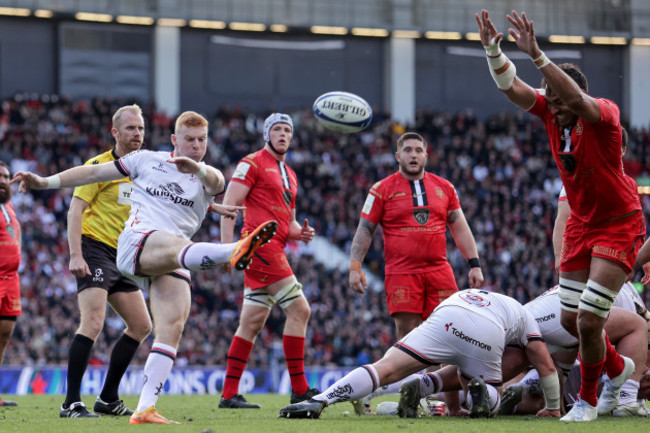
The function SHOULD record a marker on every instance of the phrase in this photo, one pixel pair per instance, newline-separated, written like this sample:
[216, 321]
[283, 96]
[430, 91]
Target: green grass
[199, 414]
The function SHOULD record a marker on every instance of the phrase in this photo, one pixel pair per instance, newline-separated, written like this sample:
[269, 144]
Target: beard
[412, 170]
[5, 195]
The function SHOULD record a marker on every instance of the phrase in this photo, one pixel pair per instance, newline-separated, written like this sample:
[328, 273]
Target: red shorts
[270, 264]
[419, 293]
[618, 241]
[10, 297]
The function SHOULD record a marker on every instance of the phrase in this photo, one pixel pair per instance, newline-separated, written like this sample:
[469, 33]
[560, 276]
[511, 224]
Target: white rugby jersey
[503, 310]
[163, 198]
[629, 299]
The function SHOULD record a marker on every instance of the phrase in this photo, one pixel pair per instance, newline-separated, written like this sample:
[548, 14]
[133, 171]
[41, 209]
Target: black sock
[78, 357]
[121, 356]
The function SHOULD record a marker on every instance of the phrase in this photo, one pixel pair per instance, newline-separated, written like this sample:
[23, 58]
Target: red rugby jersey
[273, 188]
[413, 215]
[9, 242]
[592, 170]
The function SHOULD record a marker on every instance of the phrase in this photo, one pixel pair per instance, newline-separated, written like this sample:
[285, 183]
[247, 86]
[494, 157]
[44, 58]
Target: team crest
[579, 128]
[287, 195]
[568, 161]
[439, 192]
[421, 216]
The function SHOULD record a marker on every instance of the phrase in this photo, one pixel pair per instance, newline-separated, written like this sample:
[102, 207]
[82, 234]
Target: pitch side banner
[182, 380]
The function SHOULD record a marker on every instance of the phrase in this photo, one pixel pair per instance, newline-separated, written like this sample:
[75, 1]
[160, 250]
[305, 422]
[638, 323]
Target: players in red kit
[267, 187]
[10, 237]
[606, 227]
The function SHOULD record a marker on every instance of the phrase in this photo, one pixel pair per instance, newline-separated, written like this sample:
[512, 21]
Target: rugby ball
[342, 112]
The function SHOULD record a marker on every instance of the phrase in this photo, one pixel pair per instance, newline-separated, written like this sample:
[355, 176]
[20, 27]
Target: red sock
[589, 382]
[238, 354]
[614, 363]
[294, 352]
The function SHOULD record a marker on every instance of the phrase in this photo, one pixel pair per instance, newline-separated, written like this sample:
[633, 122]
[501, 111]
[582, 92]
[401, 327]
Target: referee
[95, 220]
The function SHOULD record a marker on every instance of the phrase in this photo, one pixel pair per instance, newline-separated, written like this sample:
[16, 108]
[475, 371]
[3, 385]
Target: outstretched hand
[226, 210]
[28, 180]
[185, 164]
[487, 31]
[524, 35]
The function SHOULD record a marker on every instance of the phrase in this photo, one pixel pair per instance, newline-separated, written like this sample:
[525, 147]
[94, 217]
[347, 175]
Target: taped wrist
[503, 71]
[53, 182]
[551, 386]
[541, 61]
[203, 172]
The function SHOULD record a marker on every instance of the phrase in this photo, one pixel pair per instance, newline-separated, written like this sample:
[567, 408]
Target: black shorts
[104, 274]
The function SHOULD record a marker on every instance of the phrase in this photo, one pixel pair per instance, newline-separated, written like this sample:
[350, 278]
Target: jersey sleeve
[540, 107]
[87, 192]
[373, 207]
[454, 202]
[246, 172]
[128, 164]
[531, 328]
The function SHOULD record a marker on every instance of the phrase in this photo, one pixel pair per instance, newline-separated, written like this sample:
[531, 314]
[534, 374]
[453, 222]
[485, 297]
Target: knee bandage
[597, 299]
[570, 292]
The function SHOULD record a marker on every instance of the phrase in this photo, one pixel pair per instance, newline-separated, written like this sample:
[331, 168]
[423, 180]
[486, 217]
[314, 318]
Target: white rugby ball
[342, 112]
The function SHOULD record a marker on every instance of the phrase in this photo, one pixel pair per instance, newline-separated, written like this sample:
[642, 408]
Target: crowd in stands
[501, 166]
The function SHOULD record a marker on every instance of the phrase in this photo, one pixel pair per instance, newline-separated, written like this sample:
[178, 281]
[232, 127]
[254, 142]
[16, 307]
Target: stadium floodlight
[608, 40]
[43, 13]
[278, 28]
[90, 16]
[247, 27]
[472, 36]
[645, 42]
[451, 36]
[208, 24]
[329, 30]
[364, 31]
[139, 21]
[566, 39]
[16, 12]
[171, 22]
[407, 34]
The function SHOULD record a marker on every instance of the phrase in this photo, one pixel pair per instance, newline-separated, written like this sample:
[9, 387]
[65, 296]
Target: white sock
[156, 370]
[530, 382]
[200, 256]
[430, 383]
[494, 398]
[354, 385]
[629, 392]
[392, 388]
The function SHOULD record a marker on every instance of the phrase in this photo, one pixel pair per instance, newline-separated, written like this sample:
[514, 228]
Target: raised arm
[466, 244]
[503, 71]
[76, 176]
[358, 251]
[567, 90]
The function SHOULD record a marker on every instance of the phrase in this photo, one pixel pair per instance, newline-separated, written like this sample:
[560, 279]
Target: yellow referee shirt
[109, 204]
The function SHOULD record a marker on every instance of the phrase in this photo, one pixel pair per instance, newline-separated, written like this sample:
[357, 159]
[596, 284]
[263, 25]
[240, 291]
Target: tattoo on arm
[362, 239]
[453, 216]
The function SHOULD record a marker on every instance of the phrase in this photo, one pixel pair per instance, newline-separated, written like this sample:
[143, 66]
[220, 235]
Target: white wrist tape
[203, 171]
[551, 386]
[541, 61]
[503, 71]
[53, 182]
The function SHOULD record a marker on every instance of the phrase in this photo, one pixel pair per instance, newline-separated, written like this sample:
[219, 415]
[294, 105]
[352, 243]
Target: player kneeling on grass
[170, 198]
[469, 330]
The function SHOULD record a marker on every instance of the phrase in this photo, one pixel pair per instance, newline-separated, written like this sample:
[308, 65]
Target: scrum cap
[272, 120]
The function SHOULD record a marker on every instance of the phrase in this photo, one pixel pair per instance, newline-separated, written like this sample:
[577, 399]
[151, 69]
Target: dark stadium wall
[454, 76]
[27, 56]
[291, 74]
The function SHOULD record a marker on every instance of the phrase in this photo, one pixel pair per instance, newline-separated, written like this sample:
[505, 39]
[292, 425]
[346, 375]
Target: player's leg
[7, 324]
[92, 311]
[170, 301]
[128, 301]
[255, 310]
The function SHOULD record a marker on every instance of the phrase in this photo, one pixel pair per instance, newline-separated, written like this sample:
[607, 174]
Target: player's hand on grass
[548, 413]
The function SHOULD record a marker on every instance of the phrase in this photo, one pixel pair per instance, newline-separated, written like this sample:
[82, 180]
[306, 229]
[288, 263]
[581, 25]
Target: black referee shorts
[104, 274]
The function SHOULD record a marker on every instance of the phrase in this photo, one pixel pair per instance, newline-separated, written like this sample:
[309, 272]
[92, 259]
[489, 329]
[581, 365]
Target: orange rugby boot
[243, 254]
[150, 416]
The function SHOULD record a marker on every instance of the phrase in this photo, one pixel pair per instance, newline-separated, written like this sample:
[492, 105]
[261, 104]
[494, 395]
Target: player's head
[278, 132]
[190, 137]
[411, 154]
[5, 188]
[565, 117]
[128, 129]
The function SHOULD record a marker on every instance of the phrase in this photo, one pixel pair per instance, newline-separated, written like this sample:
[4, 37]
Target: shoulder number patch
[367, 206]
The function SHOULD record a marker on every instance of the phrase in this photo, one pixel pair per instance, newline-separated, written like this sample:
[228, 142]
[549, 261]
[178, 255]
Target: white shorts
[454, 336]
[129, 247]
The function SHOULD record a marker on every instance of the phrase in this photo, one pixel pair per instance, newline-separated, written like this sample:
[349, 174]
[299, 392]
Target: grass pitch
[199, 414]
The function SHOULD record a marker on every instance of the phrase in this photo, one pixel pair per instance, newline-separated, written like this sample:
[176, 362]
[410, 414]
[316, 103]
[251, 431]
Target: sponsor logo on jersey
[545, 318]
[475, 299]
[172, 192]
[460, 334]
[160, 167]
[421, 216]
[241, 171]
[367, 206]
[99, 275]
[439, 192]
[610, 252]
